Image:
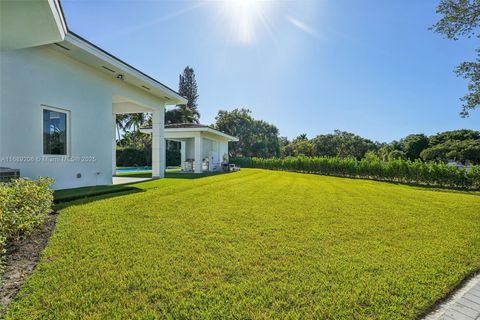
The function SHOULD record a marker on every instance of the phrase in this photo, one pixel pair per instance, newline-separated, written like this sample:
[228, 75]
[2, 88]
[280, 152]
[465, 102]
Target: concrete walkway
[122, 180]
[462, 305]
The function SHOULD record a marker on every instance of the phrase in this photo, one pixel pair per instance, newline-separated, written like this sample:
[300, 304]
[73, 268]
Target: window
[54, 132]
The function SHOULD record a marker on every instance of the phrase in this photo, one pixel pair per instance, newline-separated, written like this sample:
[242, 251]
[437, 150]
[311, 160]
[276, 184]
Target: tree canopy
[339, 144]
[258, 138]
[188, 88]
[461, 18]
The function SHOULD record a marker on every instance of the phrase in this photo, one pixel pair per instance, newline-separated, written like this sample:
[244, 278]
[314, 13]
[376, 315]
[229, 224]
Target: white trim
[203, 129]
[69, 130]
[58, 16]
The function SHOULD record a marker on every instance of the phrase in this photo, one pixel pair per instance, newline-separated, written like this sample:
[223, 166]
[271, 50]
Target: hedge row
[131, 157]
[24, 204]
[402, 171]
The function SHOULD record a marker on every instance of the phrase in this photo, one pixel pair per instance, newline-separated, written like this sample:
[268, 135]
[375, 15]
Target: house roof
[26, 24]
[189, 128]
[33, 23]
[185, 125]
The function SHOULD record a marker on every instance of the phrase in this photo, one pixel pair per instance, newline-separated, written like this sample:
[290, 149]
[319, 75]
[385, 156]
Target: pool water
[133, 169]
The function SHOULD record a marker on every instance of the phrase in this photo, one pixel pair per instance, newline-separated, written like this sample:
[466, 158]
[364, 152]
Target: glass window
[54, 132]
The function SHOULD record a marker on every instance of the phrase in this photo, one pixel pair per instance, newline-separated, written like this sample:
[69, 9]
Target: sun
[243, 17]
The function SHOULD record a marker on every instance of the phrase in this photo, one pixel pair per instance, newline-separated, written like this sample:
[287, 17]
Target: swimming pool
[133, 169]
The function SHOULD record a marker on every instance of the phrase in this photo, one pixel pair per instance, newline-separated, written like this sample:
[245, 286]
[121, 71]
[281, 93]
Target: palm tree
[120, 124]
[134, 121]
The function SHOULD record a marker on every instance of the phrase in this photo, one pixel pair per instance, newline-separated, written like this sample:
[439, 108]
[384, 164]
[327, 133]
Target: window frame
[68, 131]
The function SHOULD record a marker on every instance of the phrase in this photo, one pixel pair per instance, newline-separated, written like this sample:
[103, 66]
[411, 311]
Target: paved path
[463, 305]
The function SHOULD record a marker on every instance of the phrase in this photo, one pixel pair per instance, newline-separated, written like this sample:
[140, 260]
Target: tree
[413, 145]
[457, 135]
[396, 155]
[173, 116]
[461, 18]
[120, 120]
[342, 144]
[285, 149]
[257, 138]
[187, 88]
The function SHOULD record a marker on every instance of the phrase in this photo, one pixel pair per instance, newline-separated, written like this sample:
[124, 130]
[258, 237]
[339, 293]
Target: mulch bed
[21, 258]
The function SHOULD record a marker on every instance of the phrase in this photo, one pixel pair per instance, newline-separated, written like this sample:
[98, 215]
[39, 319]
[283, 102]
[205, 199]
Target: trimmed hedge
[131, 157]
[401, 171]
[24, 204]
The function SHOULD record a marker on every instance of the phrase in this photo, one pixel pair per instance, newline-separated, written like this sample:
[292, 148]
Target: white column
[183, 152]
[114, 144]
[198, 154]
[158, 144]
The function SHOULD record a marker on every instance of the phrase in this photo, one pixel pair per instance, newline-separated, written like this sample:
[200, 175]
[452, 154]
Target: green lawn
[255, 244]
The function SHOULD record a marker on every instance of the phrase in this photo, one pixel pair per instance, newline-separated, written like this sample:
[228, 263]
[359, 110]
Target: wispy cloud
[303, 27]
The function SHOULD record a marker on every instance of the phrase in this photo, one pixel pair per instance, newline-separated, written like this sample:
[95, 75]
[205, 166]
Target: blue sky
[368, 67]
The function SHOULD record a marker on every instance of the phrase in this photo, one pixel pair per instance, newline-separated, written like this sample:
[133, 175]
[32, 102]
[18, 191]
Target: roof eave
[76, 40]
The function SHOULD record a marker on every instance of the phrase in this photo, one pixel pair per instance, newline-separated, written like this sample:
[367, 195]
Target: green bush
[173, 157]
[131, 157]
[24, 204]
[403, 171]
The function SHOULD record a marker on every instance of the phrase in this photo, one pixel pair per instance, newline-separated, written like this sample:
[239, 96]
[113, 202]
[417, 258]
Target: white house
[202, 148]
[59, 95]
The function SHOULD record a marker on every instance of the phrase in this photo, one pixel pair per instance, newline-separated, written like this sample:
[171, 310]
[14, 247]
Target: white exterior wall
[189, 149]
[40, 76]
[222, 149]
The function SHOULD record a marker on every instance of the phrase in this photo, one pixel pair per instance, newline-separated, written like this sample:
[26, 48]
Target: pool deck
[123, 180]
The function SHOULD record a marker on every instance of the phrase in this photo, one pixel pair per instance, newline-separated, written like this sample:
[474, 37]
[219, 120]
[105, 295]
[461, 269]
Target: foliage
[128, 130]
[413, 145]
[371, 156]
[460, 145]
[255, 244]
[133, 157]
[402, 171]
[173, 157]
[188, 88]
[257, 137]
[135, 139]
[24, 204]
[339, 144]
[467, 151]
[461, 18]
[397, 155]
[454, 135]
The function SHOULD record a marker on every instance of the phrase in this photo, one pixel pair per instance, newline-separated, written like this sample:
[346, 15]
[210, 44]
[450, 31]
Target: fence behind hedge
[401, 171]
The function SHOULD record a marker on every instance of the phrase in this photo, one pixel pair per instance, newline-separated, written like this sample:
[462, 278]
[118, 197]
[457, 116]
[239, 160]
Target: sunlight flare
[243, 18]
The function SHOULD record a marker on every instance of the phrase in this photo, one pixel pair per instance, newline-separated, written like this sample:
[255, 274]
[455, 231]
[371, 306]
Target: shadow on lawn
[182, 175]
[171, 175]
[67, 197]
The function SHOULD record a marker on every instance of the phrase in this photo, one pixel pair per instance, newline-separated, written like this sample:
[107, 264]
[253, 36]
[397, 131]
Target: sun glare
[243, 18]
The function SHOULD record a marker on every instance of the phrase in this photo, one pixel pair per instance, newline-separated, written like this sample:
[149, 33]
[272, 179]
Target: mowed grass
[255, 245]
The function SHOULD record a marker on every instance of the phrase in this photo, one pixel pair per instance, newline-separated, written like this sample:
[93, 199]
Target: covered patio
[202, 148]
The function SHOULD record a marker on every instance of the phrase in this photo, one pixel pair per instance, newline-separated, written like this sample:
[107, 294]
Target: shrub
[403, 171]
[24, 204]
[131, 157]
